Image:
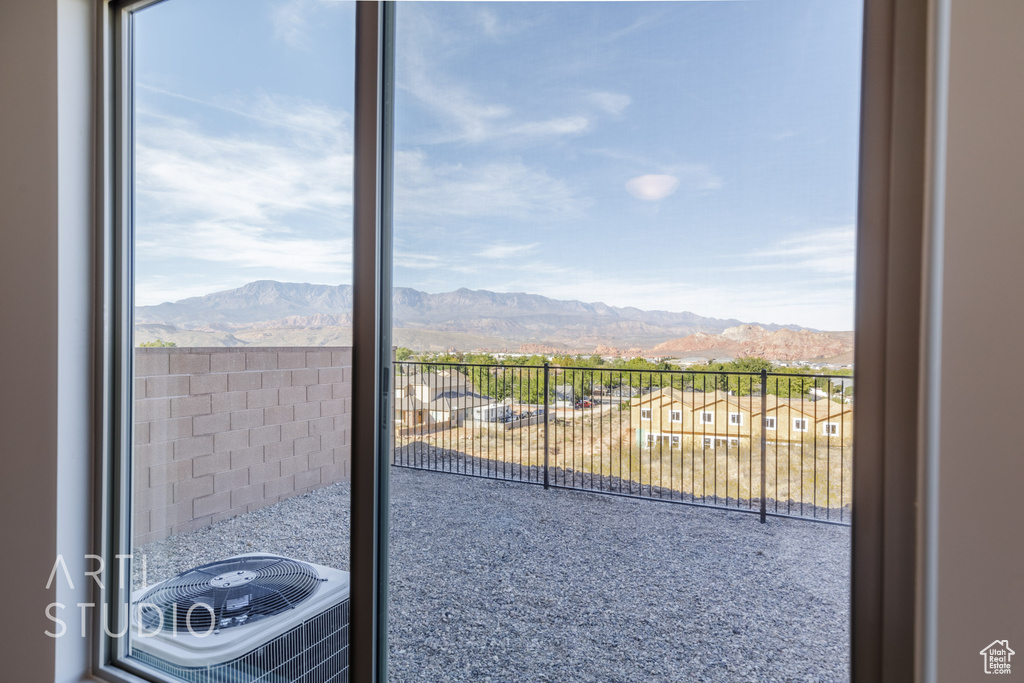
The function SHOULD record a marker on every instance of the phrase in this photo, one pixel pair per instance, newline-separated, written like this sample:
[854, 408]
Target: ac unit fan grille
[227, 593]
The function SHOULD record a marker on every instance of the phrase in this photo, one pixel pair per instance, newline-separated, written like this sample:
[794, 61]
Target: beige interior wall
[981, 519]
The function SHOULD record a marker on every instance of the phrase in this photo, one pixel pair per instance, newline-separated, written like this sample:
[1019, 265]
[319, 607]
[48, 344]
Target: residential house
[435, 400]
[677, 417]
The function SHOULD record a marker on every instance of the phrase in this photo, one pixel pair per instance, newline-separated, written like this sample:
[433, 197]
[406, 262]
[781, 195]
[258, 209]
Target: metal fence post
[546, 371]
[764, 444]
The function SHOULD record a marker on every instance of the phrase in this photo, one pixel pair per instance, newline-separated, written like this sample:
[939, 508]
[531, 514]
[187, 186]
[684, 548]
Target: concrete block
[332, 438]
[170, 516]
[321, 458]
[291, 359]
[193, 488]
[189, 363]
[208, 384]
[210, 505]
[275, 379]
[278, 414]
[230, 441]
[319, 358]
[153, 497]
[227, 361]
[333, 473]
[193, 447]
[151, 454]
[323, 425]
[261, 398]
[167, 386]
[290, 395]
[306, 411]
[141, 433]
[298, 463]
[211, 464]
[247, 495]
[261, 436]
[282, 449]
[264, 472]
[331, 375]
[247, 419]
[307, 479]
[305, 377]
[186, 406]
[245, 381]
[139, 388]
[332, 407]
[277, 487]
[319, 392]
[228, 401]
[149, 363]
[294, 430]
[140, 522]
[169, 473]
[307, 444]
[230, 480]
[246, 457]
[261, 360]
[152, 409]
[211, 424]
[342, 390]
[341, 357]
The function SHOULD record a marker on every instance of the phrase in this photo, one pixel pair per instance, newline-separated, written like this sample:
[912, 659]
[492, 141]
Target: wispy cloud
[463, 115]
[830, 251]
[507, 188]
[693, 176]
[610, 102]
[652, 187]
[291, 20]
[272, 198]
[504, 251]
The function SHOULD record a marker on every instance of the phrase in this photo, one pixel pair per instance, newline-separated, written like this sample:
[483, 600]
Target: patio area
[499, 581]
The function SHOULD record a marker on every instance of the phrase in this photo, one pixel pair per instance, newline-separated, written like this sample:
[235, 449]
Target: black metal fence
[767, 443]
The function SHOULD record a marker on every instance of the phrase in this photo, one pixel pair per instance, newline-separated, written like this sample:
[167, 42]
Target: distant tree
[403, 353]
[157, 343]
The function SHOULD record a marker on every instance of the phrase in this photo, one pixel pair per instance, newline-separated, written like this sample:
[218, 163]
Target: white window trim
[707, 417]
[738, 419]
[830, 428]
[799, 424]
[645, 413]
[770, 424]
[675, 416]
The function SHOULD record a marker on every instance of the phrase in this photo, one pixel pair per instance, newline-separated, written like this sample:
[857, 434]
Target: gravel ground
[499, 581]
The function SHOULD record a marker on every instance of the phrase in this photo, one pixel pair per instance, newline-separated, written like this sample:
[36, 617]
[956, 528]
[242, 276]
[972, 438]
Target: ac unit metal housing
[255, 618]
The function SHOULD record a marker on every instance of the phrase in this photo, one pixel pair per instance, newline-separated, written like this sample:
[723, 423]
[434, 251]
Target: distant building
[671, 417]
[430, 400]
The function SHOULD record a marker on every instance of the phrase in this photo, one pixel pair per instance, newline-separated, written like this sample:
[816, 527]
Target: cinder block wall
[222, 431]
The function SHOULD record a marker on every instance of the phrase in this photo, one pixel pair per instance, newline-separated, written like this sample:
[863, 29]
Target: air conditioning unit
[247, 619]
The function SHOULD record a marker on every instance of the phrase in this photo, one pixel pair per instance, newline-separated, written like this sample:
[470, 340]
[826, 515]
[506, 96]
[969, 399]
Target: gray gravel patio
[498, 581]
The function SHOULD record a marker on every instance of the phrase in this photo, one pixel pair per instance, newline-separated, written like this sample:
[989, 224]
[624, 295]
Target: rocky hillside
[269, 313]
[754, 340]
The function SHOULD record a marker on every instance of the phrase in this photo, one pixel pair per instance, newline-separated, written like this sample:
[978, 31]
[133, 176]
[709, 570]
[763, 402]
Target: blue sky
[695, 156]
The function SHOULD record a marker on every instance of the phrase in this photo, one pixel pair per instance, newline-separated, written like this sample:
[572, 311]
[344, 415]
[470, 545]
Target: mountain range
[270, 313]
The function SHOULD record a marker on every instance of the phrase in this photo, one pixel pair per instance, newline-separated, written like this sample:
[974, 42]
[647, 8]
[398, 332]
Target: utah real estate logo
[997, 657]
